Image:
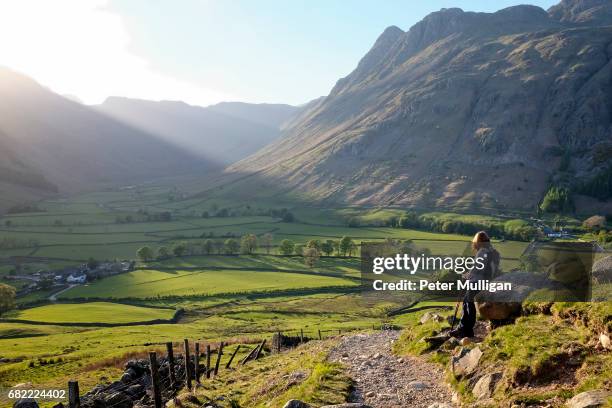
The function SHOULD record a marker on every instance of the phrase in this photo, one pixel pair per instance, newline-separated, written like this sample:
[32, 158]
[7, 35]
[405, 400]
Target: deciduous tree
[311, 256]
[345, 245]
[145, 253]
[248, 244]
[286, 247]
[266, 242]
[231, 246]
[7, 298]
[163, 252]
[208, 246]
[327, 247]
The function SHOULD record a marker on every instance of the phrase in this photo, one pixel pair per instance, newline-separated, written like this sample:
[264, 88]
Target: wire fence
[156, 380]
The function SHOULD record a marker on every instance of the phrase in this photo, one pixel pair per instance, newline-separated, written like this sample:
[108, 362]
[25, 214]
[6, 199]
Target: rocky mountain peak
[583, 12]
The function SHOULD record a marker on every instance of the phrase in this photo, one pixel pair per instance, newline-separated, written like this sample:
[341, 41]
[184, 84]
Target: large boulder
[485, 386]
[498, 310]
[466, 362]
[602, 270]
[589, 399]
[523, 285]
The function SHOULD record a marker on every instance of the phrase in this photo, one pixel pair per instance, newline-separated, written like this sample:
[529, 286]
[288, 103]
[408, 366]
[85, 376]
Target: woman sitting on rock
[481, 248]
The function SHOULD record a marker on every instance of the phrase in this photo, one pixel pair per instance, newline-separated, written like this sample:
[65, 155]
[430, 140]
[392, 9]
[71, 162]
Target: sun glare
[80, 48]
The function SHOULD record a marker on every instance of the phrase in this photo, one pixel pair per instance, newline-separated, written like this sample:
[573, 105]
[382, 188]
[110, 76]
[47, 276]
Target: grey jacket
[491, 265]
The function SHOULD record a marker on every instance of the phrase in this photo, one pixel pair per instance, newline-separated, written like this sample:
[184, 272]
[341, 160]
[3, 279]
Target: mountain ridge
[461, 103]
[223, 133]
[52, 144]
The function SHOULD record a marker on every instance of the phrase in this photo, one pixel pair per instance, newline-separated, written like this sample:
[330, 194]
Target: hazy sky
[202, 51]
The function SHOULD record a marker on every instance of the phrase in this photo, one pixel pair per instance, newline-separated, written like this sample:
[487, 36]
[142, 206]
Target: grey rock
[502, 304]
[588, 399]
[440, 405]
[430, 316]
[466, 362]
[604, 340]
[126, 378]
[119, 400]
[296, 404]
[25, 403]
[602, 270]
[418, 385]
[485, 386]
[136, 390]
[435, 341]
[451, 343]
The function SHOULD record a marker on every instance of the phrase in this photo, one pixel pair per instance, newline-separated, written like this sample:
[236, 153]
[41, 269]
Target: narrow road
[384, 380]
[53, 296]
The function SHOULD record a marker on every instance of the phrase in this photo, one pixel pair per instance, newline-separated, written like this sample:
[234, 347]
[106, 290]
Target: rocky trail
[383, 380]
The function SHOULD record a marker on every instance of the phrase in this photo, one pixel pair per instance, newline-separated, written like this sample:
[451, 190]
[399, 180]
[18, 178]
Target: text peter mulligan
[425, 285]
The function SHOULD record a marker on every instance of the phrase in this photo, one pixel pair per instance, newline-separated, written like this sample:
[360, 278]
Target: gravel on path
[384, 380]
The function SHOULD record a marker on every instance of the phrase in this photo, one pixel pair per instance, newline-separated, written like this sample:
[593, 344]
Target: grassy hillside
[153, 284]
[94, 312]
[546, 356]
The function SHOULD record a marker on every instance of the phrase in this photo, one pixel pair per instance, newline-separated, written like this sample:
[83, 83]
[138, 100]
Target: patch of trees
[283, 214]
[249, 244]
[557, 200]
[512, 229]
[343, 247]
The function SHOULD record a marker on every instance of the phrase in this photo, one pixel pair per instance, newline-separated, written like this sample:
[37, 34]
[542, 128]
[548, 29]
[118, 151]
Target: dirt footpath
[384, 380]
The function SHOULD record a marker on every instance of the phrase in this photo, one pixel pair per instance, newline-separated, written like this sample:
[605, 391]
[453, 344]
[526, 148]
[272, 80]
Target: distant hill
[51, 144]
[267, 114]
[464, 110]
[223, 133]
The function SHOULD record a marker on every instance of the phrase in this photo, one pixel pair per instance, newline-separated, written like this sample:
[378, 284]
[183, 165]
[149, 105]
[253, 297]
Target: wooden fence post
[248, 356]
[208, 361]
[279, 342]
[197, 362]
[74, 400]
[232, 357]
[171, 363]
[155, 379]
[187, 365]
[339, 332]
[219, 353]
[320, 338]
[301, 336]
[261, 346]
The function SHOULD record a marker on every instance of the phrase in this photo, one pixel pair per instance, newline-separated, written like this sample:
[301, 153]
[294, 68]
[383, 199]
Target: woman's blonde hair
[480, 240]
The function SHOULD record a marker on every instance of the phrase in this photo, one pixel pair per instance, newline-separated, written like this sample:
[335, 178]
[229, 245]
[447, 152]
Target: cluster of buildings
[72, 275]
[84, 273]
